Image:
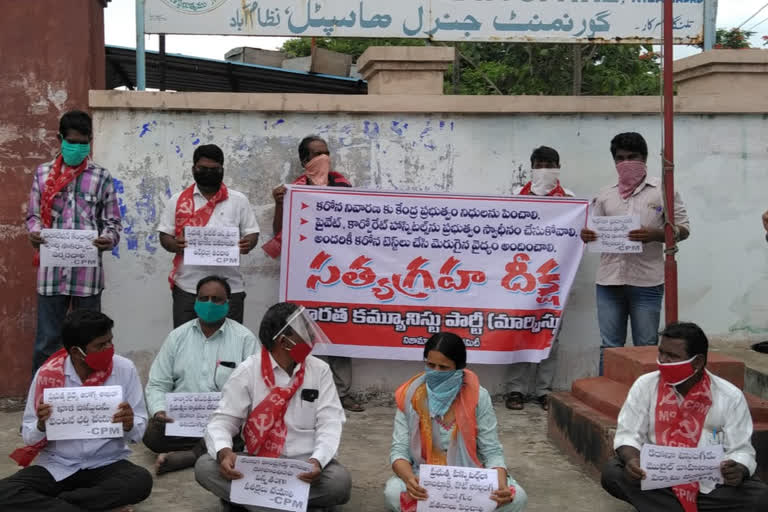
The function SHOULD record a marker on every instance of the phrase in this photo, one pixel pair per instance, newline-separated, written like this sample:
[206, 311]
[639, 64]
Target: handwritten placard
[190, 413]
[271, 483]
[83, 412]
[215, 246]
[69, 248]
[457, 488]
[613, 234]
[667, 466]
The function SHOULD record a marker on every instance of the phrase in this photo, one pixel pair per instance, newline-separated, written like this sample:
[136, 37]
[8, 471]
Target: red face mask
[100, 360]
[299, 352]
[676, 373]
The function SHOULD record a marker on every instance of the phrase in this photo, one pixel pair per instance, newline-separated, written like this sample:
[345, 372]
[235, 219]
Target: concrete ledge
[719, 71]
[427, 104]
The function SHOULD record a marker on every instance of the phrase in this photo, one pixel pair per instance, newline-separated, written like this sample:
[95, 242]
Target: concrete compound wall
[721, 174]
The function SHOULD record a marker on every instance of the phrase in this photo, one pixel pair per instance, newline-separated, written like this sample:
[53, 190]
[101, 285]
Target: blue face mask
[442, 389]
[210, 313]
[74, 154]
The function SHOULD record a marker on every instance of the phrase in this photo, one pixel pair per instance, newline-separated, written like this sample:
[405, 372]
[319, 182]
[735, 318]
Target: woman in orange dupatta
[444, 417]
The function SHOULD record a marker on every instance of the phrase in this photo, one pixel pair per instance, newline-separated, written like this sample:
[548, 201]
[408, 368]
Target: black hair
[629, 141]
[215, 279]
[210, 151]
[82, 326]
[450, 345]
[545, 154]
[274, 320]
[304, 146]
[695, 340]
[76, 120]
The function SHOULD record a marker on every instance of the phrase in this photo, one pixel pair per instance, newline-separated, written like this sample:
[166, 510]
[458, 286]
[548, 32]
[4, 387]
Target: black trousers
[156, 440]
[114, 485]
[750, 496]
[184, 306]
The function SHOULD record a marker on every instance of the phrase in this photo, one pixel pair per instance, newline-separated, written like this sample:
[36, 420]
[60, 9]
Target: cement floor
[551, 481]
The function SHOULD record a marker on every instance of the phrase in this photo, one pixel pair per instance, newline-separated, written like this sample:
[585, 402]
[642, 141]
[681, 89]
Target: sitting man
[283, 386]
[196, 357]
[682, 404]
[77, 475]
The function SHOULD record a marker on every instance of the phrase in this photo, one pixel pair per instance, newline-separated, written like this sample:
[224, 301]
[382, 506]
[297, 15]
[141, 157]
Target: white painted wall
[721, 175]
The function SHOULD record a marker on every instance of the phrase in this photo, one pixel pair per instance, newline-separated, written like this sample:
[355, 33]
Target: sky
[120, 30]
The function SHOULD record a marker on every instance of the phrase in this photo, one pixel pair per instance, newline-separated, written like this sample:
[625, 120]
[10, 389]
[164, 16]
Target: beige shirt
[645, 268]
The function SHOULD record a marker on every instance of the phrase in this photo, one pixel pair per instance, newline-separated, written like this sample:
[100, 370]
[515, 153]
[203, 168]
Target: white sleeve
[328, 419]
[633, 423]
[29, 432]
[233, 410]
[168, 217]
[248, 223]
[737, 435]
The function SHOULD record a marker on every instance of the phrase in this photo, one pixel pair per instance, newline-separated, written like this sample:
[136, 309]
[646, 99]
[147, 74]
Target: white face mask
[544, 180]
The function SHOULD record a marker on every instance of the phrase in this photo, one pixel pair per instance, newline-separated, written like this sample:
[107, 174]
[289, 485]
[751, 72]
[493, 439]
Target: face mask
[317, 170]
[299, 352]
[211, 313]
[676, 373]
[74, 154]
[100, 360]
[544, 180]
[442, 389]
[631, 174]
[209, 179]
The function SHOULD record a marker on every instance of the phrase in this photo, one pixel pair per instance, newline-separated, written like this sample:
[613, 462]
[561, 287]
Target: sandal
[543, 402]
[351, 404]
[514, 401]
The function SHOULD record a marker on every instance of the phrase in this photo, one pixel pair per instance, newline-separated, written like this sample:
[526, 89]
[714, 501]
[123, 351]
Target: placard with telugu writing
[215, 246]
[667, 466]
[613, 234]
[69, 248]
[271, 483]
[83, 412]
[457, 488]
[190, 412]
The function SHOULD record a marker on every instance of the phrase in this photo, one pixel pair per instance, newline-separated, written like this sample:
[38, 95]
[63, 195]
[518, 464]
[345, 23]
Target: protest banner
[69, 248]
[271, 483]
[214, 246]
[667, 466]
[190, 412]
[613, 234]
[383, 271]
[83, 412]
[457, 488]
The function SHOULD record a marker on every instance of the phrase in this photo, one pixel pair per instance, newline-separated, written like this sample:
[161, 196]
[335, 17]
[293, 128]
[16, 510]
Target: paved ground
[552, 483]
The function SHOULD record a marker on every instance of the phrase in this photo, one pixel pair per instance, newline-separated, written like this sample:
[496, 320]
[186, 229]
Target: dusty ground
[552, 483]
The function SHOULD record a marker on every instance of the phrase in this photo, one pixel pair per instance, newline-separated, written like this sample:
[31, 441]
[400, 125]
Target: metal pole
[710, 24]
[163, 62]
[670, 265]
[141, 62]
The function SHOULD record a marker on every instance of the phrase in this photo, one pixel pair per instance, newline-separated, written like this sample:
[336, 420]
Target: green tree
[733, 39]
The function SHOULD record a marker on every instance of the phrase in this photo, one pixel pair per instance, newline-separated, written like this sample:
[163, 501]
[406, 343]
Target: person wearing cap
[293, 394]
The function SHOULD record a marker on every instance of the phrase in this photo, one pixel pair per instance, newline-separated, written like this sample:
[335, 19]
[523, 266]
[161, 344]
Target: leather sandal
[514, 401]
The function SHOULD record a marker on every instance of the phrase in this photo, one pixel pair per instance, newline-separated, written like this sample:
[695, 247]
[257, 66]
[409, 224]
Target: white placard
[83, 412]
[190, 412]
[613, 234]
[667, 466]
[457, 488]
[69, 248]
[271, 483]
[215, 246]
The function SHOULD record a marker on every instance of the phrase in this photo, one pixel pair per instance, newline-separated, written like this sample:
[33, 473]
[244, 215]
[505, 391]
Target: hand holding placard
[83, 412]
[448, 486]
[69, 248]
[217, 246]
[667, 466]
[272, 483]
[190, 413]
[613, 234]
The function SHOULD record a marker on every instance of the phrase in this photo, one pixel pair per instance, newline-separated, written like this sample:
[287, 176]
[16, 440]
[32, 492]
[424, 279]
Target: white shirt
[236, 211]
[729, 416]
[64, 458]
[314, 428]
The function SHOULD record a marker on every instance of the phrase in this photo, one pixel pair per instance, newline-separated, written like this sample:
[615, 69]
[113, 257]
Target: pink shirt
[645, 268]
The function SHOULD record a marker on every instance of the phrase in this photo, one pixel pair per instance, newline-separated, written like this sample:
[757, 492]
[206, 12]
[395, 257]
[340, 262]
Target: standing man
[285, 403]
[197, 357]
[632, 285]
[316, 160]
[545, 181]
[206, 203]
[71, 192]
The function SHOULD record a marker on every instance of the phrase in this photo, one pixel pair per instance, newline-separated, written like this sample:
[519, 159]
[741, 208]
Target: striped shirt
[89, 202]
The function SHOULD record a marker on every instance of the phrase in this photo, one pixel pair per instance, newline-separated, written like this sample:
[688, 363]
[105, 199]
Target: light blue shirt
[489, 449]
[64, 458]
[188, 361]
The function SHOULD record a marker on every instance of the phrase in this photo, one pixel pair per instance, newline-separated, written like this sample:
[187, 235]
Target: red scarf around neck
[51, 375]
[187, 216]
[681, 424]
[558, 191]
[265, 429]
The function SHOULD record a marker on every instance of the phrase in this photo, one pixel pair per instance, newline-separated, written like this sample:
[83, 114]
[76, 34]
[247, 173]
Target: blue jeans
[51, 310]
[642, 304]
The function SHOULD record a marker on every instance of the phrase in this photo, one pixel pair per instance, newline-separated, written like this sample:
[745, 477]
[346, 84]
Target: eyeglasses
[212, 298]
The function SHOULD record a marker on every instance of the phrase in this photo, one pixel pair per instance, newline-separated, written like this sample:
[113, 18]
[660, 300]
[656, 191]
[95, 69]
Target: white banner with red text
[381, 272]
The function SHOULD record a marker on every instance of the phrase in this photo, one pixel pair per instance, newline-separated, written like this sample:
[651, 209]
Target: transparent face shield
[302, 334]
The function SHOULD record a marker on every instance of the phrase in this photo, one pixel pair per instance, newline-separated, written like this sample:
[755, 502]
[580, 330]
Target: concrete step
[626, 364]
